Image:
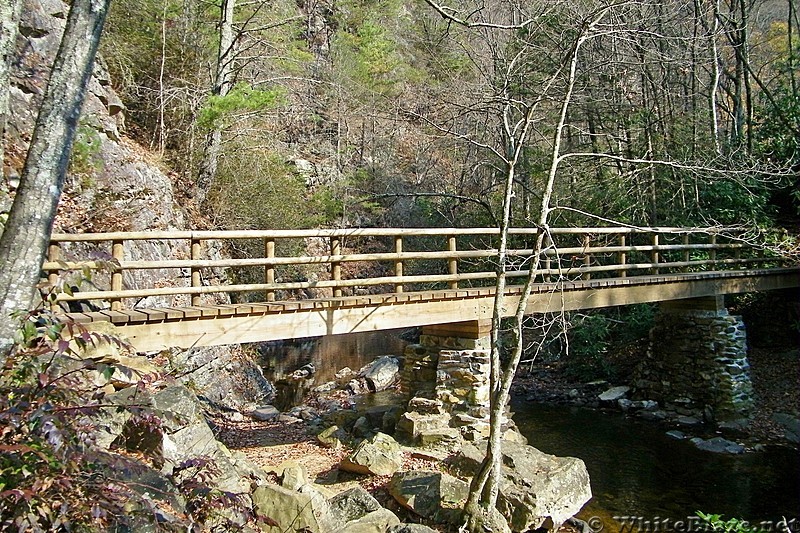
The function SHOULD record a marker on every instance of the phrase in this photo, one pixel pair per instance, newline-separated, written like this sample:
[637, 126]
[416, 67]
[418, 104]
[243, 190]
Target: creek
[635, 468]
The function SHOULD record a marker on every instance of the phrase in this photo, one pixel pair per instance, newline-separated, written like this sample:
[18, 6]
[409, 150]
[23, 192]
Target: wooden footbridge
[305, 283]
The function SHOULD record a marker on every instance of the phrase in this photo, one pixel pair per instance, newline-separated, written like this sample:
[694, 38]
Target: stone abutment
[696, 363]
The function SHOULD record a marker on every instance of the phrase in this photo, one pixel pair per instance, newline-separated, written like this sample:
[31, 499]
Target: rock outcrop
[538, 489]
[379, 456]
[112, 185]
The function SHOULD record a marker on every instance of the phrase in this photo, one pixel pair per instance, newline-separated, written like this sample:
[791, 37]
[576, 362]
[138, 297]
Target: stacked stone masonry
[447, 379]
[697, 365]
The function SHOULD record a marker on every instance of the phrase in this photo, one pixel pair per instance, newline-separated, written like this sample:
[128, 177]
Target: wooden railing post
[622, 257]
[118, 253]
[269, 270]
[398, 264]
[336, 267]
[687, 256]
[655, 255]
[587, 257]
[548, 242]
[195, 272]
[453, 262]
[53, 254]
[712, 254]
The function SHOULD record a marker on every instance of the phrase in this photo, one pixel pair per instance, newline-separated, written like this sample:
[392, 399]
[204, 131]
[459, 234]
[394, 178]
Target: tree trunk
[712, 90]
[9, 20]
[222, 86]
[480, 509]
[24, 241]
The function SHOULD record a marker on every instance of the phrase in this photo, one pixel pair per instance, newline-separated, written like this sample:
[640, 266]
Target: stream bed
[636, 470]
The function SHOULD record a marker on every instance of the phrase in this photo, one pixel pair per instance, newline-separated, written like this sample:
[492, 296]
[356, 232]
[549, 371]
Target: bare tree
[519, 112]
[223, 81]
[24, 241]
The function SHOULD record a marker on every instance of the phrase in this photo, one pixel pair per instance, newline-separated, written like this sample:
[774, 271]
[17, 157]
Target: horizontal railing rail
[377, 260]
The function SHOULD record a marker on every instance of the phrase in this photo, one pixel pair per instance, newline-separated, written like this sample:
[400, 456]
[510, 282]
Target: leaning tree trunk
[24, 241]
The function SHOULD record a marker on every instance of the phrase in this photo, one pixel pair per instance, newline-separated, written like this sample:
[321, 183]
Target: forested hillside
[398, 112]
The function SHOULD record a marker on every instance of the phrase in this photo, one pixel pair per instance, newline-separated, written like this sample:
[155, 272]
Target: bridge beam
[471, 329]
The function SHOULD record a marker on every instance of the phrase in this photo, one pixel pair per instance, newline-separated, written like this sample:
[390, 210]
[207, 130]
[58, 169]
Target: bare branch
[449, 14]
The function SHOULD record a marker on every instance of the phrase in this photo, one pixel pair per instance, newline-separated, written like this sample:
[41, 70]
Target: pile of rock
[298, 504]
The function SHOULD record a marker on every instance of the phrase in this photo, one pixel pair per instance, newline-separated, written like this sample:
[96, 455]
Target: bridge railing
[293, 264]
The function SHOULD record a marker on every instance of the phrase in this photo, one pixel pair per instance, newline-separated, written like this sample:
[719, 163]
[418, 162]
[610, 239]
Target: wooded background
[393, 112]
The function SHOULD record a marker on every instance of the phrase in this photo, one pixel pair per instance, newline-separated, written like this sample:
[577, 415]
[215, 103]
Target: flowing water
[637, 470]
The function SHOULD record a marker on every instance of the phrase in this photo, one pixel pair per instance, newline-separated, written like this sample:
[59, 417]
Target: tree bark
[222, 86]
[24, 242]
[9, 21]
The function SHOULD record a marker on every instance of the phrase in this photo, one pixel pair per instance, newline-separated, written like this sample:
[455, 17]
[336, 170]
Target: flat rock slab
[718, 445]
[428, 493]
[379, 455]
[614, 393]
[265, 413]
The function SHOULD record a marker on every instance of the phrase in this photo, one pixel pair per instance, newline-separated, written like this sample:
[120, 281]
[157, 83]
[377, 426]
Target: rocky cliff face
[112, 183]
[115, 185]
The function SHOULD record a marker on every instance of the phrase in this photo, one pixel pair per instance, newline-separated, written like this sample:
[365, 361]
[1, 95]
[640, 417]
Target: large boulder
[380, 455]
[171, 429]
[382, 373]
[429, 493]
[289, 510]
[538, 489]
[332, 437]
[352, 504]
[378, 521]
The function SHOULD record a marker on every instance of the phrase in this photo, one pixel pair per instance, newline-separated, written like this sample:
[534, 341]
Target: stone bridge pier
[446, 377]
[696, 363]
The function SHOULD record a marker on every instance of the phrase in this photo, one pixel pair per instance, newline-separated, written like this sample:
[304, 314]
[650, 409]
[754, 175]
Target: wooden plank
[82, 318]
[191, 312]
[255, 308]
[236, 309]
[224, 310]
[153, 315]
[115, 317]
[199, 311]
[172, 313]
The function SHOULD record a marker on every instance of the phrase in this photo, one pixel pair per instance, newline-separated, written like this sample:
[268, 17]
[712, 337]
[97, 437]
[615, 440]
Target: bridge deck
[155, 329]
